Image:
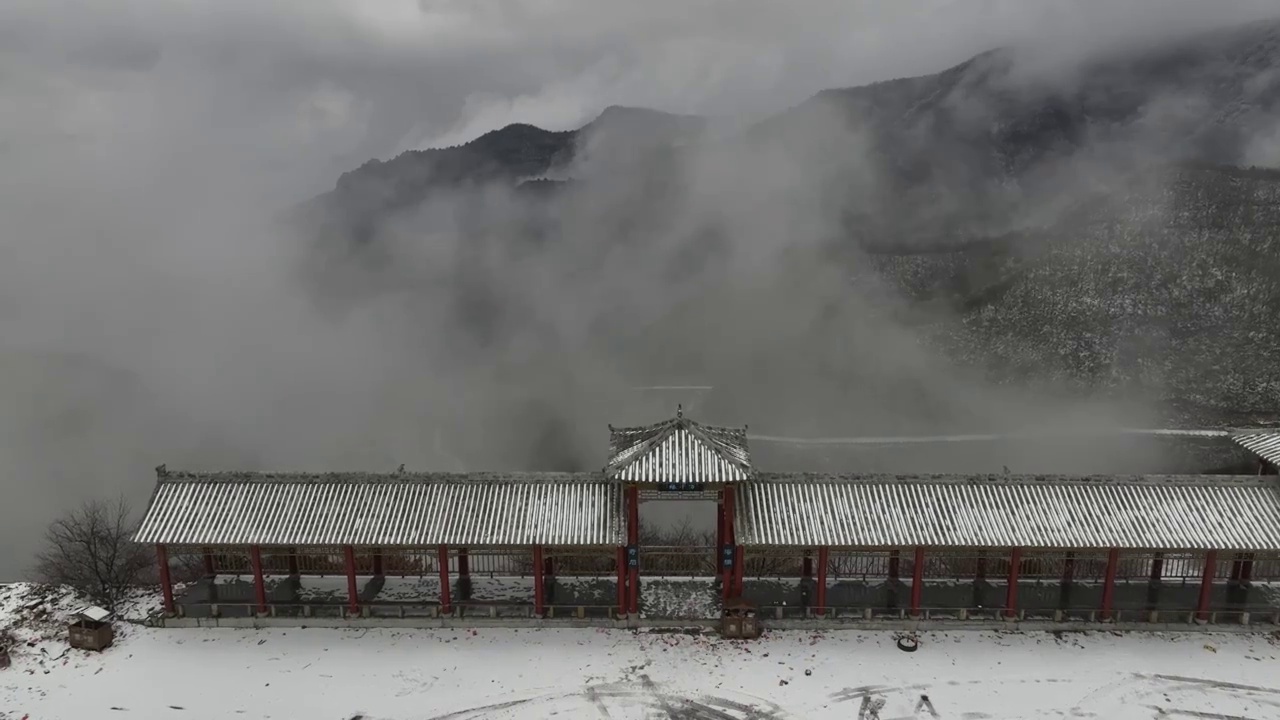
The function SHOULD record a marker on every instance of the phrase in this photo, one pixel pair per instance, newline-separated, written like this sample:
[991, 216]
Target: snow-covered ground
[384, 674]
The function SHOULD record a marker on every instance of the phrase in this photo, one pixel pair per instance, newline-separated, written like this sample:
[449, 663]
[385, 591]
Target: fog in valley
[157, 306]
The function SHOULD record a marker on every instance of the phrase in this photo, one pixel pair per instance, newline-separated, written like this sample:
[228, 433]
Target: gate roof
[678, 451]
[1264, 444]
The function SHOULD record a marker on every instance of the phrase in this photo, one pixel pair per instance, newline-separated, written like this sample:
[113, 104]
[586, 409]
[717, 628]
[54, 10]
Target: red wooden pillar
[538, 598]
[353, 593]
[259, 584]
[377, 561]
[917, 581]
[980, 572]
[1011, 597]
[210, 568]
[894, 565]
[806, 570]
[731, 572]
[464, 564]
[1157, 567]
[822, 580]
[739, 568]
[622, 581]
[293, 561]
[720, 542]
[1109, 582]
[633, 539]
[1206, 585]
[442, 559]
[1068, 568]
[166, 584]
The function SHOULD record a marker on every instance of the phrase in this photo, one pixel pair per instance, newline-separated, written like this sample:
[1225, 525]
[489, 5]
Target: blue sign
[681, 487]
[633, 556]
[726, 557]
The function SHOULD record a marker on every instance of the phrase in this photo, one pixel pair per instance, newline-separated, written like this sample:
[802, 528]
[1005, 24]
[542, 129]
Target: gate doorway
[679, 555]
[674, 469]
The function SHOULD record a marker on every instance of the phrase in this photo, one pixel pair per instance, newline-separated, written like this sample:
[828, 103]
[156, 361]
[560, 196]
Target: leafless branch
[91, 549]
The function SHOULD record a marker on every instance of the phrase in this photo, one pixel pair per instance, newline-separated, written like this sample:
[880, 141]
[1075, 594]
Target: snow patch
[493, 674]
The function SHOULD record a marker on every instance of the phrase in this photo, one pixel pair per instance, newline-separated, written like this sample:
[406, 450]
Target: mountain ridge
[972, 207]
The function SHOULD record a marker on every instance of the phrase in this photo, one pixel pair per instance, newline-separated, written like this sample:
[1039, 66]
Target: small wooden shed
[739, 620]
[91, 629]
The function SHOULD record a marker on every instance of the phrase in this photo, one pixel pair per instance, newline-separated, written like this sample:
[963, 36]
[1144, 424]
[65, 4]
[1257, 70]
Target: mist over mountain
[1008, 116]
[1033, 215]
[989, 245]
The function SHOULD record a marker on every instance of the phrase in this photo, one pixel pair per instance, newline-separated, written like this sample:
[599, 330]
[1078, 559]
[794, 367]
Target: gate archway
[681, 460]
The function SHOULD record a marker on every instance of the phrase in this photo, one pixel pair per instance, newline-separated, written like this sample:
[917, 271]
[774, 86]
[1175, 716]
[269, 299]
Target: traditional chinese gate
[679, 460]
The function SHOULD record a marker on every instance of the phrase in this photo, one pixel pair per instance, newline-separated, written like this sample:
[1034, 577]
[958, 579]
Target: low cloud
[152, 310]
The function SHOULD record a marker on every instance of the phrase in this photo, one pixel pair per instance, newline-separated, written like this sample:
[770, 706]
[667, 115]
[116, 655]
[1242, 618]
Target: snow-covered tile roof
[678, 451]
[420, 509]
[1150, 512]
[1264, 444]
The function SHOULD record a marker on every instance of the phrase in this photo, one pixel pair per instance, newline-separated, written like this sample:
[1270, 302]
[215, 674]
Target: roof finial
[679, 410]
[162, 470]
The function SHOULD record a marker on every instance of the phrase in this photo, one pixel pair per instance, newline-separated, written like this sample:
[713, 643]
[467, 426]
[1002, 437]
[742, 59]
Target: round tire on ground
[908, 644]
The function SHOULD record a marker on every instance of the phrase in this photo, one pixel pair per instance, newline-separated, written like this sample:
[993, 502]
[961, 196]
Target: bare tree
[92, 550]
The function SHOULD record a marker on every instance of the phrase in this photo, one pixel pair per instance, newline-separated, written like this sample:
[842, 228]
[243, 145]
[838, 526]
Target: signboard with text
[681, 487]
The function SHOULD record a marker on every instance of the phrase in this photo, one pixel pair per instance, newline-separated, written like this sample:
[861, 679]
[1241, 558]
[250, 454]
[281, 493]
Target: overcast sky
[145, 315]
